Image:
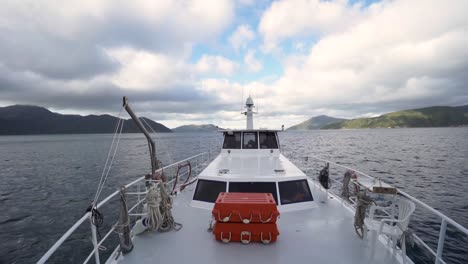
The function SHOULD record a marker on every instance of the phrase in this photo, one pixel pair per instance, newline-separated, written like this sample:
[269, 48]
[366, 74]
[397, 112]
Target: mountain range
[316, 122]
[197, 128]
[435, 116]
[29, 120]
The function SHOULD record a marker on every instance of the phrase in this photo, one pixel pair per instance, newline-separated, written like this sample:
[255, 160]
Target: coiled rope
[166, 210]
[159, 209]
[123, 226]
[363, 202]
[153, 199]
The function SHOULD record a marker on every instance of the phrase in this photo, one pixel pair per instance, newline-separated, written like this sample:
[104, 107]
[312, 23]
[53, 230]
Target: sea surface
[48, 181]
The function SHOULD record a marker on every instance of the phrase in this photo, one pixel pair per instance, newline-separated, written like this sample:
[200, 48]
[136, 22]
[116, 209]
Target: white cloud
[241, 37]
[404, 54]
[289, 18]
[143, 70]
[69, 38]
[363, 60]
[253, 64]
[216, 64]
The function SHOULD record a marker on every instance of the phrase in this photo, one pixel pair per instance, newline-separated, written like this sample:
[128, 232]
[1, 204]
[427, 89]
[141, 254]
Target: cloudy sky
[183, 62]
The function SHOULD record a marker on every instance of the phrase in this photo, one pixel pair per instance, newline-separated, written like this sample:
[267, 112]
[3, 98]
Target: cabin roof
[256, 165]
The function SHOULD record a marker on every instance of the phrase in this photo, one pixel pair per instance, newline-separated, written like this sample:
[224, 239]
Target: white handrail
[72, 229]
[445, 219]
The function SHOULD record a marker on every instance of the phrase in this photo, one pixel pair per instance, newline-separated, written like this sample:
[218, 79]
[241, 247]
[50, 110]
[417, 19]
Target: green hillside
[436, 116]
[316, 122]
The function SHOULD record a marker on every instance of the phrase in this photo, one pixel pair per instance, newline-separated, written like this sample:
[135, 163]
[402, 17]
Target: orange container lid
[245, 198]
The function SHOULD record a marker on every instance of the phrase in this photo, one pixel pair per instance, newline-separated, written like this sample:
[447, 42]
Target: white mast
[249, 104]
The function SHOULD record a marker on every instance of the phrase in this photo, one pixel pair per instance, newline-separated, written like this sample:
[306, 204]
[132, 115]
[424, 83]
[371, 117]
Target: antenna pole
[242, 100]
[152, 149]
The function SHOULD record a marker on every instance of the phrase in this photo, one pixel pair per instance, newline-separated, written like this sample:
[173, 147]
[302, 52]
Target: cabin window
[254, 187]
[208, 191]
[268, 140]
[250, 140]
[294, 192]
[232, 140]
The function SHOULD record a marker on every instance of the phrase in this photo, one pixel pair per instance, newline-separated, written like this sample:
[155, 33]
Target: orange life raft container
[245, 233]
[245, 217]
[245, 208]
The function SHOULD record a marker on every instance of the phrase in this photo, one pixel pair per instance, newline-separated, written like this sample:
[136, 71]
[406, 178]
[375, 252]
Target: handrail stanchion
[440, 244]
[94, 239]
[138, 190]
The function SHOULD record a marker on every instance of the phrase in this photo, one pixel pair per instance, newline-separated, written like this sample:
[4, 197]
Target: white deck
[322, 234]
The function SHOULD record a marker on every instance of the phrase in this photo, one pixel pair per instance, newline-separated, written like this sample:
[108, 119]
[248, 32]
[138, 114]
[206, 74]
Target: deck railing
[445, 220]
[199, 160]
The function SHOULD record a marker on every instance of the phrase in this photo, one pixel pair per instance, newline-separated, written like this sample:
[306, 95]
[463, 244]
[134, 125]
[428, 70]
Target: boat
[174, 219]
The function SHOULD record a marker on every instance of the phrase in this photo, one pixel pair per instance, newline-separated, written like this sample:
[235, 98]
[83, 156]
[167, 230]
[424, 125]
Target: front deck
[322, 234]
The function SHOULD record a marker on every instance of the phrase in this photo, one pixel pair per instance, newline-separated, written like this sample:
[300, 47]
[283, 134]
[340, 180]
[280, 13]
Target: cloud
[241, 37]
[252, 63]
[400, 55]
[67, 40]
[216, 64]
[289, 18]
[338, 58]
[85, 56]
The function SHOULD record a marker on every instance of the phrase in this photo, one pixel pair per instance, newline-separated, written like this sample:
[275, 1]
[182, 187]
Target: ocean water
[47, 182]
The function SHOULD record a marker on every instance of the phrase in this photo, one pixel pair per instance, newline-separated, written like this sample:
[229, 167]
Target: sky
[195, 62]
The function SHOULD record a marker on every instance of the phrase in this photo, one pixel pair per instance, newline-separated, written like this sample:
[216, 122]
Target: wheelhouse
[251, 139]
[251, 162]
[284, 192]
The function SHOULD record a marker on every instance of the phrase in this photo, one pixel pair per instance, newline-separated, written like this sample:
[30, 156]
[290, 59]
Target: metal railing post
[440, 244]
[138, 191]
[95, 243]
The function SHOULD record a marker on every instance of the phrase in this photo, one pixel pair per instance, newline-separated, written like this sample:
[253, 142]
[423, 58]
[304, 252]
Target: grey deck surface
[324, 234]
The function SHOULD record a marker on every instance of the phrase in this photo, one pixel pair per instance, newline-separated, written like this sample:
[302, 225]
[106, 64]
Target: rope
[363, 202]
[153, 199]
[110, 157]
[168, 222]
[97, 219]
[123, 203]
[123, 226]
[324, 177]
[345, 187]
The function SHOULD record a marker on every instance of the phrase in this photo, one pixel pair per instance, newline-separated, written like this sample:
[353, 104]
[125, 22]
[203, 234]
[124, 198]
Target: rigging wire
[110, 158]
[108, 153]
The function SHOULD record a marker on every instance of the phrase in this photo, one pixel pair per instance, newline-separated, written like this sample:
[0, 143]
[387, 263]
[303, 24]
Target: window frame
[275, 135]
[310, 199]
[233, 134]
[256, 138]
[273, 183]
[206, 180]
